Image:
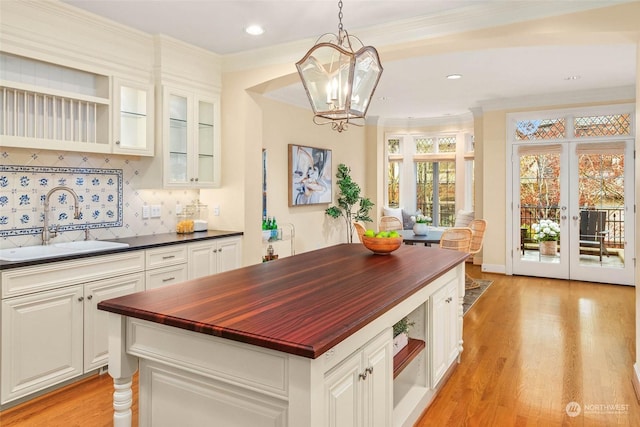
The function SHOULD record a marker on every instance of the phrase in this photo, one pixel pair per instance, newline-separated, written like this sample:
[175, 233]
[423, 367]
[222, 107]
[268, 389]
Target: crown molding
[472, 17]
[559, 98]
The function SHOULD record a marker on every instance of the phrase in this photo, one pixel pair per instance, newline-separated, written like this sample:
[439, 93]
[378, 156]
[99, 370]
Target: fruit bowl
[382, 245]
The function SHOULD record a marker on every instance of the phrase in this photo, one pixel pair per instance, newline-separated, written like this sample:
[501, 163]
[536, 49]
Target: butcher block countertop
[302, 305]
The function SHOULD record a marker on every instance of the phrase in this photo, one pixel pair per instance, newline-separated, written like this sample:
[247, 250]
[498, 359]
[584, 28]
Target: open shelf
[406, 355]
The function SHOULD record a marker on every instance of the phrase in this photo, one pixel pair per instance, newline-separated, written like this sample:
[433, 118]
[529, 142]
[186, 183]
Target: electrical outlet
[146, 212]
[155, 211]
[216, 211]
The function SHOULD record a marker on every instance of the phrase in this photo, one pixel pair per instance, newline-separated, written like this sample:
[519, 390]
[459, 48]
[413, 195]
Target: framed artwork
[309, 176]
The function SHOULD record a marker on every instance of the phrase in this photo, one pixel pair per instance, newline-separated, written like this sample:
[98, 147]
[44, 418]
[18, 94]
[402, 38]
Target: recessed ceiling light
[254, 30]
[454, 76]
[572, 78]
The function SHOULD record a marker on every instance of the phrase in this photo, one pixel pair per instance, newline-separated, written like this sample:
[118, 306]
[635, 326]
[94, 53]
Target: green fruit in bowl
[370, 233]
[394, 234]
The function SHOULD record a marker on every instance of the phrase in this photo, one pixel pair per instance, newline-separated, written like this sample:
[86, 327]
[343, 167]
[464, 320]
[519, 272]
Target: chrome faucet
[46, 233]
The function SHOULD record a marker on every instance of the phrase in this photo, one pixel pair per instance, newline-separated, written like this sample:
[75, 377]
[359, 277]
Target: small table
[432, 236]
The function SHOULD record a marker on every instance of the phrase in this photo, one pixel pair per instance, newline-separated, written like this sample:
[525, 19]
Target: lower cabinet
[96, 328]
[214, 256]
[358, 390]
[52, 336]
[444, 330]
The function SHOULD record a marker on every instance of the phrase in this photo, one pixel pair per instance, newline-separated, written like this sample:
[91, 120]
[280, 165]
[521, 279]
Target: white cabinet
[444, 330]
[52, 336]
[51, 328]
[191, 139]
[96, 331]
[50, 106]
[358, 391]
[41, 341]
[214, 256]
[132, 116]
[165, 266]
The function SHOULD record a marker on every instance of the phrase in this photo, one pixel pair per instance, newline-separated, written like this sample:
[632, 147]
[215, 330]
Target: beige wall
[252, 122]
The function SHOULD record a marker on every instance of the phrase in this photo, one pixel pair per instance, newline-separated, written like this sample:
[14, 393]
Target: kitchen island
[302, 341]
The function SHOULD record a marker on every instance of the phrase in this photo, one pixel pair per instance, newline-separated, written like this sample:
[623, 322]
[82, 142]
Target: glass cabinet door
[133, 118]
[178, 139]
[206, 142]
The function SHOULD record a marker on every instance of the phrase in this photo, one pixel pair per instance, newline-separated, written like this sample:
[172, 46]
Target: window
[426, 172]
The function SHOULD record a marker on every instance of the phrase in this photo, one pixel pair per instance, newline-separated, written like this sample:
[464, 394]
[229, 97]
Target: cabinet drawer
[27, 280]
[165, 256]
[166, 276]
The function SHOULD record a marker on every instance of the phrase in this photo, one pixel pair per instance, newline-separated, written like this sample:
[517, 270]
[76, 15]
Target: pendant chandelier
[338, 80]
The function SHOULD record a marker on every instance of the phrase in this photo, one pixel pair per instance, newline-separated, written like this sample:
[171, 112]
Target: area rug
[472, 295]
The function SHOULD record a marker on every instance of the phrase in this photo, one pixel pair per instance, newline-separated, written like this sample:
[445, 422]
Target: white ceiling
[413, 87]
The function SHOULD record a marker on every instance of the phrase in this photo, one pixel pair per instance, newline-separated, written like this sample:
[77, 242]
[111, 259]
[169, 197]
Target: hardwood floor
[532, 346]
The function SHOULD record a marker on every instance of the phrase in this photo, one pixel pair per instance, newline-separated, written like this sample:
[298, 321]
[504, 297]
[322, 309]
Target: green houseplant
[348, 199]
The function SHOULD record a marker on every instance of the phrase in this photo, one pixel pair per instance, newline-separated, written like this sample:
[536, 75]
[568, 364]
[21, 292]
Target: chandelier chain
[340, 27]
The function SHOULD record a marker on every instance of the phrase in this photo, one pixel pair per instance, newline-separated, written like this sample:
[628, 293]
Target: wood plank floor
[532, 346]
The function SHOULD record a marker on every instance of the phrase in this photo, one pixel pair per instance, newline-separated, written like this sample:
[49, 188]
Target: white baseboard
[493, 268]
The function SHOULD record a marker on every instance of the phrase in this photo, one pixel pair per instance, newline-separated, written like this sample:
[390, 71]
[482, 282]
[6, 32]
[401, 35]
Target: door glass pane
[133, 117]
[601, 201]
[205, 142]
[539, 207]
[178, 138]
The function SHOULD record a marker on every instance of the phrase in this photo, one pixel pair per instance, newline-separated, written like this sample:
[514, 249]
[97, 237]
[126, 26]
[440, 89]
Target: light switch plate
[146, 212]
[155, 211]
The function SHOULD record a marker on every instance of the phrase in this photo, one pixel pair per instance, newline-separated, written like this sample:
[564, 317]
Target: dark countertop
[135, 244]
[303, 305]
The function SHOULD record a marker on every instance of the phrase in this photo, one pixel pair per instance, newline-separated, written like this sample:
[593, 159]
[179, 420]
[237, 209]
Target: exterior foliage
[351, 206]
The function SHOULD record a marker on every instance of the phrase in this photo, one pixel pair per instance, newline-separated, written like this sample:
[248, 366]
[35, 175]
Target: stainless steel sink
[30, 253]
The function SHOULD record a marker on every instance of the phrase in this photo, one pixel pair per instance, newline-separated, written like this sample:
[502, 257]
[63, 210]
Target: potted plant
[420, 224]
[546, 233]
[401, 334]
[348, 198]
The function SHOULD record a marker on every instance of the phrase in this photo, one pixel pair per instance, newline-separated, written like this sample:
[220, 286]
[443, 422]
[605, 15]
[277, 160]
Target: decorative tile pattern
[24, 189]
[110, 214]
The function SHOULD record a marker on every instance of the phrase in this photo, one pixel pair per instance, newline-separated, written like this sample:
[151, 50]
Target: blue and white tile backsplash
[107, 185]
[23, 190]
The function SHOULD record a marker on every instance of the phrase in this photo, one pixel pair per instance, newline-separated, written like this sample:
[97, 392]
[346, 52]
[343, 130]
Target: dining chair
[456, 238]
[459, 239]
[389, 223]
[477, 226]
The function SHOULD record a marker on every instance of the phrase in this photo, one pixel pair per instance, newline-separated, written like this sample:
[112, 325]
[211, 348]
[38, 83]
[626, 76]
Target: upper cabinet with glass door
[133, 118]
[191, 140]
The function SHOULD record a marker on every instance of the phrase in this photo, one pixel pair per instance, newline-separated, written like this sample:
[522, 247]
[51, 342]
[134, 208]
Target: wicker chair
[388, 223]
[359, 229]
[459, 239]
[477, 226]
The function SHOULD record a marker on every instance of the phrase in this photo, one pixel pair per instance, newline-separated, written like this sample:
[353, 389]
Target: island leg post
[122, 366]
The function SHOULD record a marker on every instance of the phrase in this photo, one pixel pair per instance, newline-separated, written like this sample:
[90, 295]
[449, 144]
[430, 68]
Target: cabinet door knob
[118, 142]
[363, 376]
[448, 300]
[369, 369]
[90, 297]
[80, 299]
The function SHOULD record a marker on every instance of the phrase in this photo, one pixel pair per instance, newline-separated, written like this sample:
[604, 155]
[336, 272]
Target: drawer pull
[168, 279]
[168, 257]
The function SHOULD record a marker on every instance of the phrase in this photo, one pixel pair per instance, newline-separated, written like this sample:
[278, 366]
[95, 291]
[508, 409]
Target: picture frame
[310, 175]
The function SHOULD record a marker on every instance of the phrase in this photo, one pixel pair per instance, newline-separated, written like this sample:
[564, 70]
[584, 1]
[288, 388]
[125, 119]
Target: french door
[573, 210]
